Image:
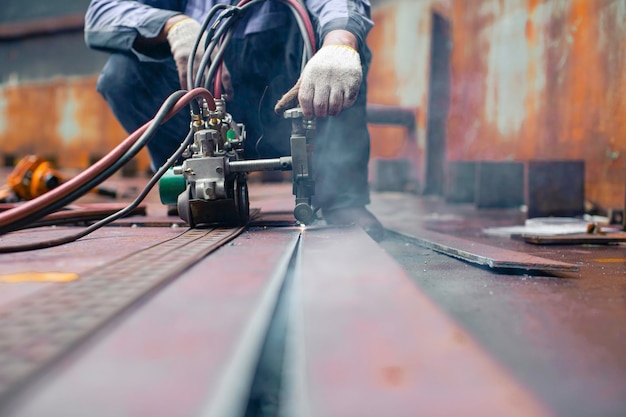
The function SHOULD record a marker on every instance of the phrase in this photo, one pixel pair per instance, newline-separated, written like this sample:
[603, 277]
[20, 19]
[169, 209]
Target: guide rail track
[36, 331]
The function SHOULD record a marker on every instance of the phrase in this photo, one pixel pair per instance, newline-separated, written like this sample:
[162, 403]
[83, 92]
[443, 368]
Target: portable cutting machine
[211, 184]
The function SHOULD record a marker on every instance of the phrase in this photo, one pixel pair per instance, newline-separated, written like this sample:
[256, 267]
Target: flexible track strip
[42, 328]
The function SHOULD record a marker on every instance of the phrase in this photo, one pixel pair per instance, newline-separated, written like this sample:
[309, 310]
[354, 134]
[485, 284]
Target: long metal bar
[39, 27]
[574, 239]
[480, 254]
[40, 329]
[274, 164]
[391, 115]
[364, 341]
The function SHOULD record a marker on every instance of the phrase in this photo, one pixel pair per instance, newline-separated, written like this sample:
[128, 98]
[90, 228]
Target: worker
[150, 42]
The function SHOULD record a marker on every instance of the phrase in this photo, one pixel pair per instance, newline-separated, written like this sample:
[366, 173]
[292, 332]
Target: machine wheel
[184, 208]
[242, 200]
[303, 213]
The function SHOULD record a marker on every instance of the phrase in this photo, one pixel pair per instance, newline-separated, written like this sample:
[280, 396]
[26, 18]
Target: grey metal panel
[15, 11]
[41, 58]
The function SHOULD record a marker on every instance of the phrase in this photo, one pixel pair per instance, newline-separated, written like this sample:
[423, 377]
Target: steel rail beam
[39, 330]
[364, 341]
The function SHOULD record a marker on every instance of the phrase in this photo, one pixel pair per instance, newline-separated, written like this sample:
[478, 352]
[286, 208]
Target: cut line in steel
[40, 329]
[481, 254]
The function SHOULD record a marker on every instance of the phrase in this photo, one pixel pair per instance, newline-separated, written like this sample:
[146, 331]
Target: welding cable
[10, 218]
[111, 218]
[301, 12]
[32, 210]
[162, 115]
[128, 155]
[203, 28]
[214, 72]
[216, 37]
[217, 64]
[219, 33]
[217, 85]
[303, 21]
[62, 200]
[174, 101]
[218, 30]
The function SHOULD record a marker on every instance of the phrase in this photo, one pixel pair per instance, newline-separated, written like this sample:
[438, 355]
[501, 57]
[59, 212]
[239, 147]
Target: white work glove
[329, 83]
[181, 37]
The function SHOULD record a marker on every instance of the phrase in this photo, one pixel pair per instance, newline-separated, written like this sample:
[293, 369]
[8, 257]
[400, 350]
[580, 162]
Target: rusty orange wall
[64, 118]
[542, 79]
[530, 79]
[400, 42]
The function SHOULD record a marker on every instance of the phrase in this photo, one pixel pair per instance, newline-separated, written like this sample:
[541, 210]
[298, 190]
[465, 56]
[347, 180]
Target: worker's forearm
[341, 37]
[115, 25]
[162, 36]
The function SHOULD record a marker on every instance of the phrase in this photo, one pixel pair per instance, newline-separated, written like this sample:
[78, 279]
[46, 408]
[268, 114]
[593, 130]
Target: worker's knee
[119, 76]
[115, 80]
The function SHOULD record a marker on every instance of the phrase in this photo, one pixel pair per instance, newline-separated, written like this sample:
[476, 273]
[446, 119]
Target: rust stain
[38, 277]
[389, 45]
[382, 77]
[560, 95]
[393, 376]
[611, 260]
[459, 337]
[388, 141]
[64, 119]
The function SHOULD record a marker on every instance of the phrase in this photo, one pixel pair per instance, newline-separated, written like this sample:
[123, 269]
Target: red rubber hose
[54, 195]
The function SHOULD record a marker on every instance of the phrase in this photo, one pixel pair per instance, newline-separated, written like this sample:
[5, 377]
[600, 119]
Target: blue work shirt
[114, 25]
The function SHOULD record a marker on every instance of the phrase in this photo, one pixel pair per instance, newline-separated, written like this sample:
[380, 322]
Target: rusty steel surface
[83, 214]
[409, 330]
[41, 328]
[562, 338]
[181, 348]
[560, 334]
[367, 342]
[94, 251]
[540, 79]
[554, 78]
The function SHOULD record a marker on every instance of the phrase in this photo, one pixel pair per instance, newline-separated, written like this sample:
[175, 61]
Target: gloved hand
[181, 37]
[329, 83]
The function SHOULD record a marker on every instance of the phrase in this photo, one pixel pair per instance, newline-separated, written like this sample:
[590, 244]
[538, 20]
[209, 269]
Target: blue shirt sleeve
[351, 15]
[113, 25]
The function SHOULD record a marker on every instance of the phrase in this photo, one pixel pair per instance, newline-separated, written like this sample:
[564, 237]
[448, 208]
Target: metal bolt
[293, 113]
